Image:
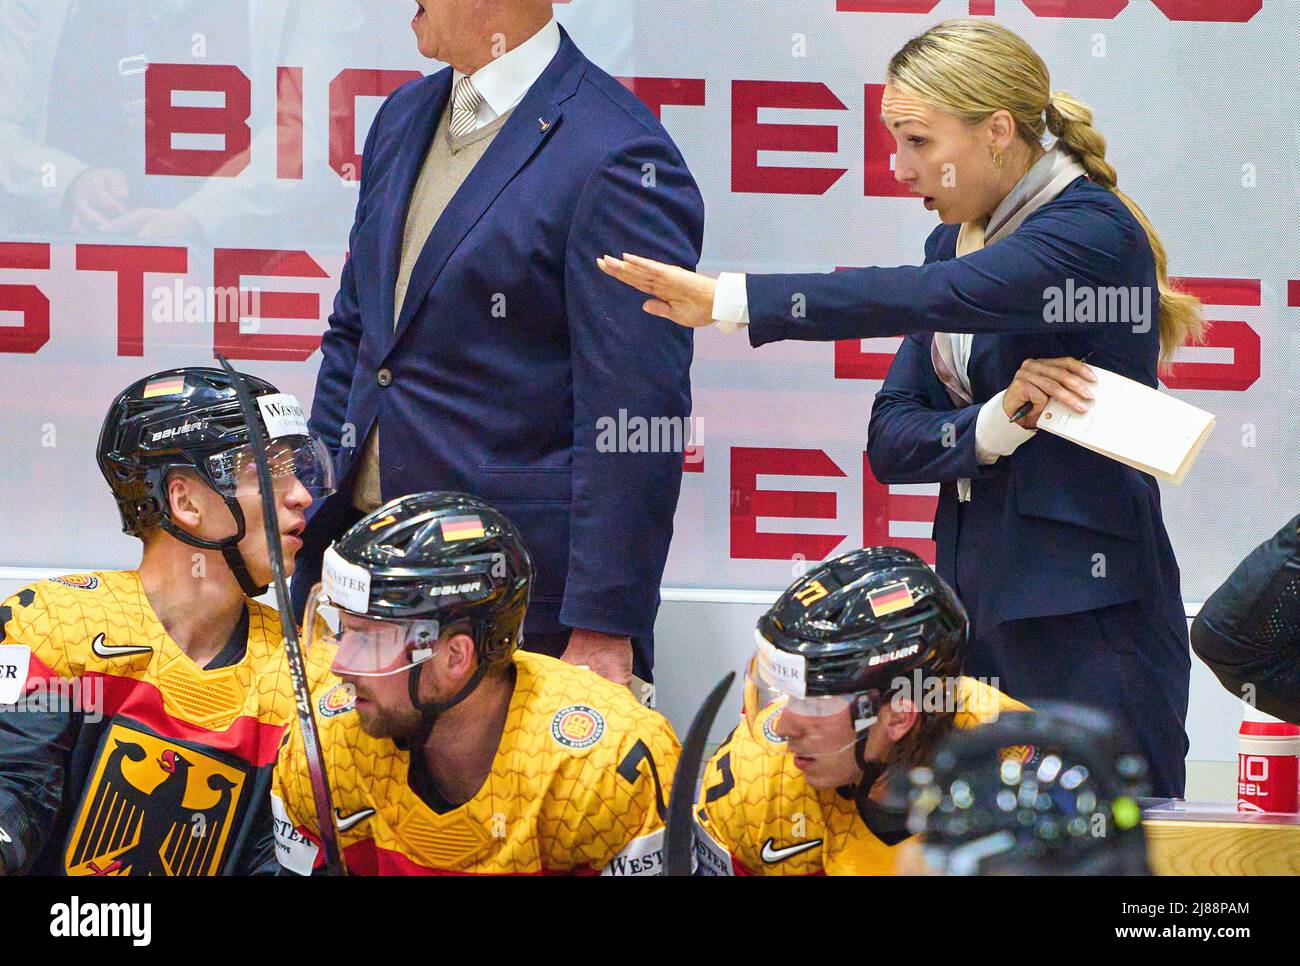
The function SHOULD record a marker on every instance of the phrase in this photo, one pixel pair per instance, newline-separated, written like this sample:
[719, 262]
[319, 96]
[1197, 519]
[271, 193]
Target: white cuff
[730, 302]
[995, 435]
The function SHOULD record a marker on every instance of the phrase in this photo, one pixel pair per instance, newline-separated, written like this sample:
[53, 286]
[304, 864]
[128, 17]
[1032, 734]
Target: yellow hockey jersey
[579, 785]
[757, 816]
[121, 756]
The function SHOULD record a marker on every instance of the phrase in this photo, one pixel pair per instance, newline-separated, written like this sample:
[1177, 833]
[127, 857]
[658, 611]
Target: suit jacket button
[384, 377]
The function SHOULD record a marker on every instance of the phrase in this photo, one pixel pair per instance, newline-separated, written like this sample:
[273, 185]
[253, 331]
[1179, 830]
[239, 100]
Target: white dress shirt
[505, 80]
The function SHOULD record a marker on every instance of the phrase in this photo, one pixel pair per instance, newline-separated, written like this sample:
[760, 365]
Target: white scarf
[1046, 179]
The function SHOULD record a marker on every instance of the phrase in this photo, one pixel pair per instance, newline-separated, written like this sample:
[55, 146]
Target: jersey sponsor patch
[154, 806]
[710, 858]
[296, 852]
[642, 856]
[77, 581]
[338, 699]
[14, 661]
[577, 726]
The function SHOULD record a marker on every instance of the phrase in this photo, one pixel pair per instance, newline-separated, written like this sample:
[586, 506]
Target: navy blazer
[511, 344]
[1054, 528]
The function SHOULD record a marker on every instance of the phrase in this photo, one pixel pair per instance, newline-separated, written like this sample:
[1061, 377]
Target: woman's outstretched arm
[1011, 286]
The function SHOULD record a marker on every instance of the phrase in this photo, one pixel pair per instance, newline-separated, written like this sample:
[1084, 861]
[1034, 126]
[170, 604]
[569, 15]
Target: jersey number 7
[628, 769]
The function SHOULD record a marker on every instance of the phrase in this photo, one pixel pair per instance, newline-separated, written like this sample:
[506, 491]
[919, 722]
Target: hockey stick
[320, 789]
[679, 826]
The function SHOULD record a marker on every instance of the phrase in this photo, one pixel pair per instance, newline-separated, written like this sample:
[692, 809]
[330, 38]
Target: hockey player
[148, 705]
[448, 749]
[856, 672]
[1051, 792]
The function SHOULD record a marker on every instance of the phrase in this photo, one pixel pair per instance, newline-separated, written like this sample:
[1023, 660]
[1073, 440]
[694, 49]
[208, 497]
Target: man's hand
[97, 196]
[1039, 381]
[681, 295]
[607, 655]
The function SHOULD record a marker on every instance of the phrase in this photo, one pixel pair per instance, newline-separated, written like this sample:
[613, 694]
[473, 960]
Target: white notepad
[1134, 424]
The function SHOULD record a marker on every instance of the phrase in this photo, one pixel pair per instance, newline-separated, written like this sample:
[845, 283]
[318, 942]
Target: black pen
[1023, 411]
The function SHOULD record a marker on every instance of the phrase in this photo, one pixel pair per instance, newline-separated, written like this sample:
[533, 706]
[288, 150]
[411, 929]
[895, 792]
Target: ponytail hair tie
[1055, 122]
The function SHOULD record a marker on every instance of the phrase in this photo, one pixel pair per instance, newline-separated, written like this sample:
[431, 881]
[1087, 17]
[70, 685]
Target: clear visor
[293, 460]
[778, 710]
[367, 646]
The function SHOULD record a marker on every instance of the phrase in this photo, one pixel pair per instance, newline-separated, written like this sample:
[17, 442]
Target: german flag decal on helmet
[890, 598]
[467, 527]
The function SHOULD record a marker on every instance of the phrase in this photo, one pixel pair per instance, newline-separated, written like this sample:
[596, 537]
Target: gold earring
[997, 160]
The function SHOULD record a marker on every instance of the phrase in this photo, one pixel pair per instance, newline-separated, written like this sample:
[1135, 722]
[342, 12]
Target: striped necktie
[465, 102]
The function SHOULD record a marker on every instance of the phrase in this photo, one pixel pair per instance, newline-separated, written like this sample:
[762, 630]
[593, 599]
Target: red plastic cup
[1268, 767]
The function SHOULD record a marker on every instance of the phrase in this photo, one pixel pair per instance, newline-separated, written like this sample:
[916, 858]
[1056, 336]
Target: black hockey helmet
[413, 568]
[853, 627]
[1048, 792]
[846, 636]
[190, 419]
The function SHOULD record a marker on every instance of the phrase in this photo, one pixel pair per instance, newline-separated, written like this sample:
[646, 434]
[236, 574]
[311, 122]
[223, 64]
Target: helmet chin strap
[429, 710]
[229, 547]
[235, 561]
[890, 827]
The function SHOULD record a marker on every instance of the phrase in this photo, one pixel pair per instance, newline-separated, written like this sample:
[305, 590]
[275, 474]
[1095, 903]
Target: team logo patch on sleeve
[337, 700]
[577, 726]
[77, 581]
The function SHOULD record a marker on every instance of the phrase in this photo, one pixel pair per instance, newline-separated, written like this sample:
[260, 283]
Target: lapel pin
[546, 125]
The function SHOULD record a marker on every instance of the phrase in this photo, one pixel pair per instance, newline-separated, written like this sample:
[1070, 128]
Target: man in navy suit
[475, 345]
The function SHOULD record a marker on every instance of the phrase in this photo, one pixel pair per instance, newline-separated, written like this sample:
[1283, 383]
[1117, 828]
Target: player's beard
[388, 723]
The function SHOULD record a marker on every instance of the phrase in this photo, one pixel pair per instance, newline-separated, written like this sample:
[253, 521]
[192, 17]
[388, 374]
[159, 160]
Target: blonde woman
[1061, 555]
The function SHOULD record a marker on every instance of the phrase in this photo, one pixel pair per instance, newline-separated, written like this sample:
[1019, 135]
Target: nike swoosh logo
[347, 821]
[772, 855]
[116, 650]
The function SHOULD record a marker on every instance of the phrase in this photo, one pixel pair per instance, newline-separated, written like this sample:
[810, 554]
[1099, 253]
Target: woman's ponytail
[1070, 120]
